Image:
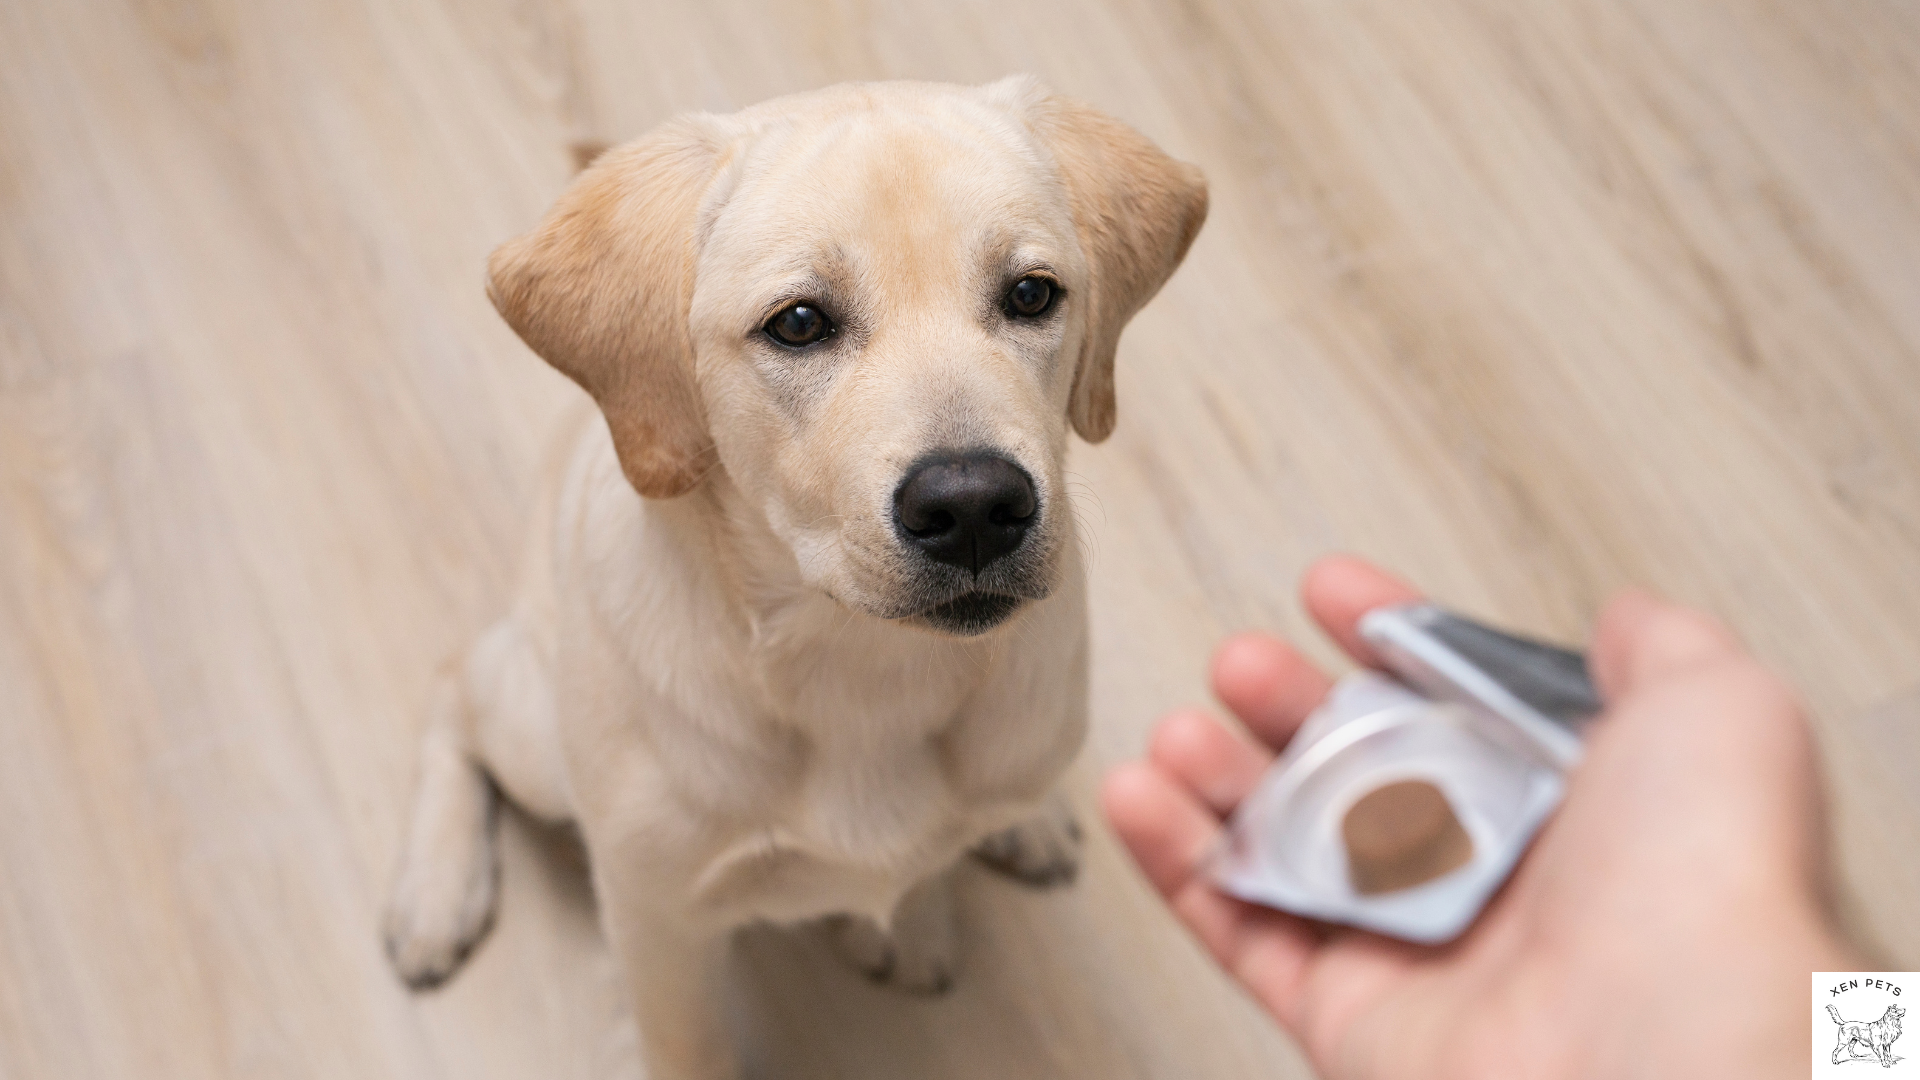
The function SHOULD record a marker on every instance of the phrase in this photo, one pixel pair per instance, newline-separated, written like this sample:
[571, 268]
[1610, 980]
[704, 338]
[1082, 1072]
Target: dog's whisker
[1078, 490]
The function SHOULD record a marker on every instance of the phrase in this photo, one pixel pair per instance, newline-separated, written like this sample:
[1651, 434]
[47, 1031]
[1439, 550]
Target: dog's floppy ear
[1136, 211]
[600, 289]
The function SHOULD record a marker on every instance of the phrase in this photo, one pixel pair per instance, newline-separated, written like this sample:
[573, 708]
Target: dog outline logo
[1862, 1040]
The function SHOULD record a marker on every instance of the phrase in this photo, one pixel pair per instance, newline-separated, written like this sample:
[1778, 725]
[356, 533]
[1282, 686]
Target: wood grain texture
[1530, 301]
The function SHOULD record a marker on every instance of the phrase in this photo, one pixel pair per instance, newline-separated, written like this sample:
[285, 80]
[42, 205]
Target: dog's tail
[1835, 1013]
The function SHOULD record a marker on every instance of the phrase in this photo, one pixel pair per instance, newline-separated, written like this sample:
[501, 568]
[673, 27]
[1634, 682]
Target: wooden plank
[1528, 301]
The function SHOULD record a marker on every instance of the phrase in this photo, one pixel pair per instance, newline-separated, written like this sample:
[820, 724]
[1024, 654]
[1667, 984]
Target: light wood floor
[1529, 300]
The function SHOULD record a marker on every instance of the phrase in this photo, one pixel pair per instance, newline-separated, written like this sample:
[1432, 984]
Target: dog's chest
[851, 832]
[865, 805]
[871, 713]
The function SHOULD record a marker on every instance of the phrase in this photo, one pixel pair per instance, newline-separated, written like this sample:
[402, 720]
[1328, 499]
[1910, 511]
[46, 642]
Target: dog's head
[877, 308]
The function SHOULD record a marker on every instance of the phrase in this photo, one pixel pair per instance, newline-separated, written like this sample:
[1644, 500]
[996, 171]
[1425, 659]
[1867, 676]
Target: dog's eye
[799, 324]
[1030, 296]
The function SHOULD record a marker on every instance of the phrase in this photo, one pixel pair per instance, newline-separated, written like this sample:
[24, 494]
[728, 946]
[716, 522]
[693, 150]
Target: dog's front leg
[676, 987]
[675, 974]
[916, 952]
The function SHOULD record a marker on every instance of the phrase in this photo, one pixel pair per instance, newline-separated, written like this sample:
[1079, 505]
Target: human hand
[1663, 923]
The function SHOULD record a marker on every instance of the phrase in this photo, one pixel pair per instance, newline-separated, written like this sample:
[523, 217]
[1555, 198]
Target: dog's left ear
[1136, 211]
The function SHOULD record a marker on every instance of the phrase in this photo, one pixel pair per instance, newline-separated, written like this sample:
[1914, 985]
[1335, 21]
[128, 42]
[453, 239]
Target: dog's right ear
[601, 288]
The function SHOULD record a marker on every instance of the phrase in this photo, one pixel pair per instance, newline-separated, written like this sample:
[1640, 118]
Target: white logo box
[1872, 1035]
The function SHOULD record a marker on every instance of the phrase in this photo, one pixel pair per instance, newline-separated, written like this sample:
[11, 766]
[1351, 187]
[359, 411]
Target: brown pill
[1402, 835]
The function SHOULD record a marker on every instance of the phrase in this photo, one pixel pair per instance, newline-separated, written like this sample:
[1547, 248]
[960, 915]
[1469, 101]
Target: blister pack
[1407, 797]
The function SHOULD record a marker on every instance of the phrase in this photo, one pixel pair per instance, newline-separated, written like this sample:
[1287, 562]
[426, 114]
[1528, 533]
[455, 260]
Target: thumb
[1641, 639]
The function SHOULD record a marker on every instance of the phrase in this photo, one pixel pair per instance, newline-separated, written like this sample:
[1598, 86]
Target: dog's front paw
[917, 966]
[1043, 851]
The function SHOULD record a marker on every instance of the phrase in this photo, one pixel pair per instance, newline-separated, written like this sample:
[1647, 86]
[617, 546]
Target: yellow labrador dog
[803, 619]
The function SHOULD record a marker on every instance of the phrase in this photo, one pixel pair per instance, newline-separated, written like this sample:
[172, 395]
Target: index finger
[1339, 589]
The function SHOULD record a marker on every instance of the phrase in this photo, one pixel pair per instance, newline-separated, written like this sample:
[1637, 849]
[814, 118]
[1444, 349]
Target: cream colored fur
[721, 663]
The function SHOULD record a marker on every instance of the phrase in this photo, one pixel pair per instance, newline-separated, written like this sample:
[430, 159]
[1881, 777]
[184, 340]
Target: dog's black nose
[965, 509]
